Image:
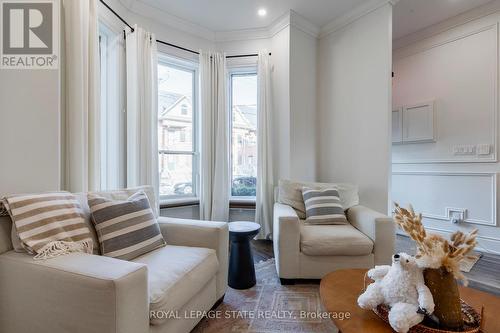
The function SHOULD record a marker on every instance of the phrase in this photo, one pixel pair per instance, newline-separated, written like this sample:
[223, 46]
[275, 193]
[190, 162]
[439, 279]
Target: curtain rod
[169, 44]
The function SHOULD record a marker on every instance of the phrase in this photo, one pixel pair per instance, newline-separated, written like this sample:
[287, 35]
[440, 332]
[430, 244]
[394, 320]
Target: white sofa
[311, 251]
[92, 293]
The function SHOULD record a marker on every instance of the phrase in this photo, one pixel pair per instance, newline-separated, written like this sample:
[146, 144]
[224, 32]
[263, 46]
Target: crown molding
[453, 22]
[166, 19]
[289, 18]
[353, 15]
[244, 34]
[279, 24]
[258, 33]
[301, 23]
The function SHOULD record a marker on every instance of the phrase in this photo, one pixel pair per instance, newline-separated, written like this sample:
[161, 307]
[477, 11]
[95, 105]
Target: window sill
[242, 202]
[234, 202]
[179, 202]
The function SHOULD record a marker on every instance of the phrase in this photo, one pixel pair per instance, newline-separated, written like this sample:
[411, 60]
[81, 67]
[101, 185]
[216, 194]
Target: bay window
[112, 115]
[177, 129]
[243, 103]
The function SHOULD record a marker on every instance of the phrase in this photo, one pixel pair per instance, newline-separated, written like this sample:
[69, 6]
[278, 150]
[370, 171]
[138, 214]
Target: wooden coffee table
[340, 290]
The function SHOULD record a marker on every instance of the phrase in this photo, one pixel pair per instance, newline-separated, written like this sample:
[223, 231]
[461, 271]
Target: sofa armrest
[378, 227]
[207, 234]
[286, 241]
[72, 293]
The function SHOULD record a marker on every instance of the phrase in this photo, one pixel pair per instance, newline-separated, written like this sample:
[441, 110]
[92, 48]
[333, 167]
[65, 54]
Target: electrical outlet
[456, 215]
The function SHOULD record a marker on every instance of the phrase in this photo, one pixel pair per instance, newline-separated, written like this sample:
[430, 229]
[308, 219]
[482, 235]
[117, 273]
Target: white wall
[354, 106]
[281, 100]
[29, 131]
[457, 67]
[303, 68]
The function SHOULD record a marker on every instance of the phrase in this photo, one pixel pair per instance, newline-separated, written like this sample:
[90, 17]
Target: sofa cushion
[333, 240]
[125, 193]
[290, 193]
[176, 274]
[122, 194]
[126, 229]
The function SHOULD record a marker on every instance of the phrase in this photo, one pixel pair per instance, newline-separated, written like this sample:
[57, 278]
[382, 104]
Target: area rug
[269, 307]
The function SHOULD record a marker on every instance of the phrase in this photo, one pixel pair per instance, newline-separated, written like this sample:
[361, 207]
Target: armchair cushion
[206, 234]
[333, 240]
[175, 275]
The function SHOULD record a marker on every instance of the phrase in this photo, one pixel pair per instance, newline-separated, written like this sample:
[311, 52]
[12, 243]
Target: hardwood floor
[262, 250]
[485, 275]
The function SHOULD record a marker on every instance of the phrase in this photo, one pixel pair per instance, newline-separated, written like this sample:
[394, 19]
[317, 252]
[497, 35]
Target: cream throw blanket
[49, 224]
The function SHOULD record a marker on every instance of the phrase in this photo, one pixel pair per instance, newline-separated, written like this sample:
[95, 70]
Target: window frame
[103, 32]
[165, 59]
[234, 72]
[112, 105]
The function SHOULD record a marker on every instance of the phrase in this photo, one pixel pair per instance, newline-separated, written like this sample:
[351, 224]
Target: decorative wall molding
[407, 52]
[353, 15]
[451, 23]
[481, 239]
[448, 210]
[421, 47]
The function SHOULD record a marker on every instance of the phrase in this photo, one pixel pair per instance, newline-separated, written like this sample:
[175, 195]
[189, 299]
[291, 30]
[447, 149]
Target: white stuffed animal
[402, 287]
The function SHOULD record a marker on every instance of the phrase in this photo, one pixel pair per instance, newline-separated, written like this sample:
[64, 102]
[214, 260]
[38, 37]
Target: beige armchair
[91, 293]
[305, 251]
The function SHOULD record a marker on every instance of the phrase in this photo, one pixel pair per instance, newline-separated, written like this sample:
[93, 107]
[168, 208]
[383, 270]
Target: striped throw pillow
[49, 224]
[323, 206]
[125, 229]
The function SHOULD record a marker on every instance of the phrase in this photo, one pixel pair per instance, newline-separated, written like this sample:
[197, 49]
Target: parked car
[244, 187]
[241, 187]
[183, 188]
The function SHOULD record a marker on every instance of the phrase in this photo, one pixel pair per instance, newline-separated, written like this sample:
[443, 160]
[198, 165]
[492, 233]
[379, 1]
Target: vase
[444, 290]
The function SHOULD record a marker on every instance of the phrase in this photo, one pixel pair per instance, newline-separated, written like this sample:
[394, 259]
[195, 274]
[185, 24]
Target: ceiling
[412, 15]
[229, 15]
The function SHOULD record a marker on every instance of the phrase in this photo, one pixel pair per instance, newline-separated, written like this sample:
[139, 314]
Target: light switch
[483, 149]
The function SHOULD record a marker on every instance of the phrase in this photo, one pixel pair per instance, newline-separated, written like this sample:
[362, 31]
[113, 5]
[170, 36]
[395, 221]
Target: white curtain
[81, 84]
[214, 194]
[142, 109]
[265, 179]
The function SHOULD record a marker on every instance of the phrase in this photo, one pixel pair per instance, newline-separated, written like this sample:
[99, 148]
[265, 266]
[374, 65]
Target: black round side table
[241, 269]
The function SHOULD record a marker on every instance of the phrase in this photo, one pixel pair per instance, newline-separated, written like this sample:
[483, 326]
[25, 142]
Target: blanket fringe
[59, 248]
